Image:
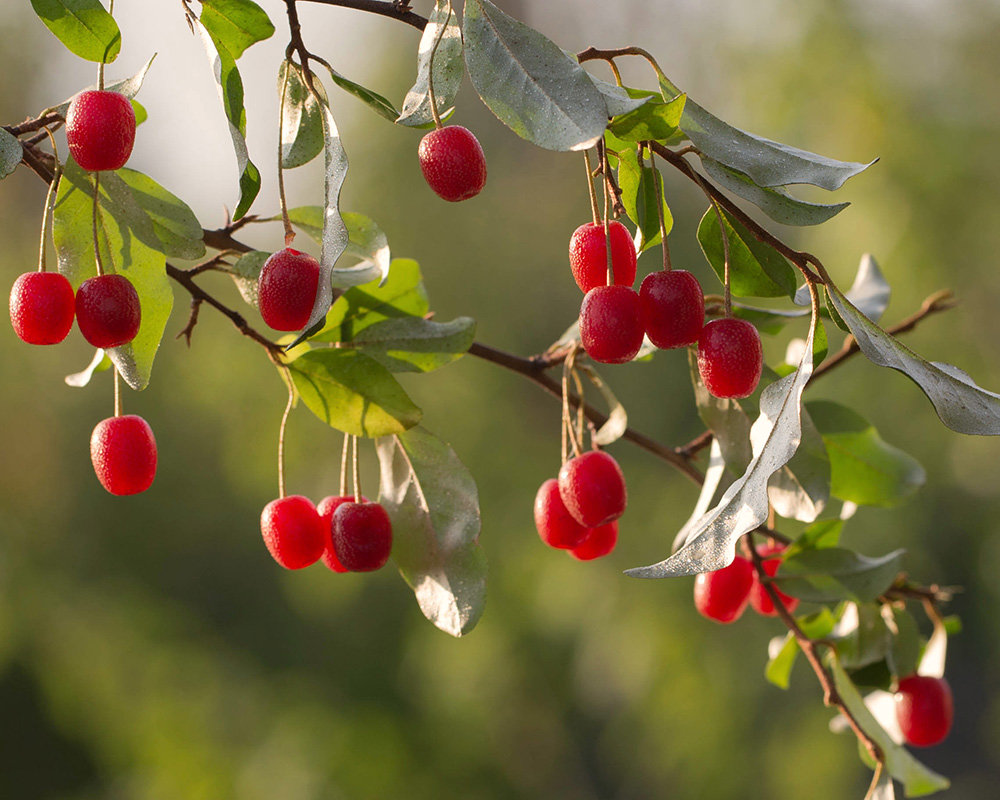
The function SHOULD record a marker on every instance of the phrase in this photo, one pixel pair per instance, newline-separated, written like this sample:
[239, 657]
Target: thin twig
[394, 10]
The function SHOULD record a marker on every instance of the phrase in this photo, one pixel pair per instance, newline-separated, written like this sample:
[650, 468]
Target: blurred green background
[149, 646]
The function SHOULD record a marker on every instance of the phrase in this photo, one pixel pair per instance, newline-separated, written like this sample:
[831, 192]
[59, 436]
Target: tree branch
[394, 9]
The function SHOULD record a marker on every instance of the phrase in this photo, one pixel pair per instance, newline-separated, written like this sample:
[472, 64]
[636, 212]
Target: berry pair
[349, 536]
[723, 595]
[579, 511]
[123, 452]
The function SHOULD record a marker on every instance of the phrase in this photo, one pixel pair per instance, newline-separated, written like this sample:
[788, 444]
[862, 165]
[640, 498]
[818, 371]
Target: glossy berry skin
[42, 306]
[293, 531]
[325, 508]
[554, 524]
[610, 324]
[287, 289]
[100, 130]
[723, 595]
[362, 536]
[759, 597]
[588, 255]
[592, 488]
[924, 709]
[108, 310]
[730, 357]
[123, 451]
[672, 307]
[453, 163]
[599, 542]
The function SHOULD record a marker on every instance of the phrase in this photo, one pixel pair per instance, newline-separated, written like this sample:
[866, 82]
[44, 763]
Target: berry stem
[97, 212]
[281, 431]
[282, 201]
[118, 394]
[49, 198]
[590, 188]
[667, 266]
[879, 767]
[430, 69]
[567, 419]
[610, 280]
[100, 66]
[357, 482]
[343, 466]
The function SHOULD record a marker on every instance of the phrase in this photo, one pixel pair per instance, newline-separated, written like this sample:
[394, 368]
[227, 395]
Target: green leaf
[448, 68]
[818, 536]
[99, 363]
[531, 85]
[246, 274]
[141, 115]
[353, 393]
[618, 99]
[639, 191]
[174, 224]
[864, 469]
[83, 26]
[906, 644]
[301, 117]
[372, 99]
[757, 269]
[414, 344]
[650, 121]
[782, 652]
[10, 153]
[433, 503]
[801, 489]
[777, 203]
[834, 573]
[236, 24]
[861, 636]
[129, 87]
[917, 779]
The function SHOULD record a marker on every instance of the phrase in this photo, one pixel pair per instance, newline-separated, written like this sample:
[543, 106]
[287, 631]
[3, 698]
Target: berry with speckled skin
[123, 451]
[362, 536]
[730, 357]
[453, 163]
[760, 599]
[287, 289]
[924, 709]
[554, 524]
[610, 324]
[592, 488]
[723, 595]
[588, 255]
[326, 507]
[293, 531]
[108, 310]
[673, 308]
[599, 542]
[42, 306]
[100, 130]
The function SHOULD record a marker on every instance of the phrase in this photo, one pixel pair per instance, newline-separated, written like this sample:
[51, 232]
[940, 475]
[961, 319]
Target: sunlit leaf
[373, 100]
[640, 185]
[99, 363]
[756, 269]
[246, 274]
[83, 26]
[236, 24]
[618, 100]
[449, 68]
[129, 87]
[10, 153]
[651, 121]
[301, 117]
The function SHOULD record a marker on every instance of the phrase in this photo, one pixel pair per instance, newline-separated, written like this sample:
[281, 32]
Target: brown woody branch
[394, 10]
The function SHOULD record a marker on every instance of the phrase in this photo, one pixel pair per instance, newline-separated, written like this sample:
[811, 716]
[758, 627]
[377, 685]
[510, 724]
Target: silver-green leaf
[447, 73]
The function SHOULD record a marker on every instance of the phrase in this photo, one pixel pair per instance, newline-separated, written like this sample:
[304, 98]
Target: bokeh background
[150, 648]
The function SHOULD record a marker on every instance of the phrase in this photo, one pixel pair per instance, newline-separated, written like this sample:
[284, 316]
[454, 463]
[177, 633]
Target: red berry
[553, 522]
[611, 324]
[599, 542]
[730, 357]
[673, 308]
[108, 310]
[723, 595]
[100, 130]
[326, 507]
[42, 307]
[588, 255]
[453, 163]
[924, 709]
[123, 452]
[760, 599]
[293, 532]
[362, 536]
[592, 487]
[287, 289]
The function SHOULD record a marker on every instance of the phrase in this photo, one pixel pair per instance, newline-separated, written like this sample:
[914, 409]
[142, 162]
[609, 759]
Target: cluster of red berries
[723, 595]
[349, 534]
[579, 511]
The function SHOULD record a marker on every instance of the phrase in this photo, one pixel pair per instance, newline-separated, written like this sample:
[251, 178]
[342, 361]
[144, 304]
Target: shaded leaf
[246, 274]
[10, 153]
[833, 574]
[757, 269]
[173, 222]
[617, 422]
[83, 26]
[906, 643]
[712, 488]
[448, 68]
[373, 100]
[725, 417]
[800, 489]
[301, 117]
[414, 344]
[99, 363]
[618, 100]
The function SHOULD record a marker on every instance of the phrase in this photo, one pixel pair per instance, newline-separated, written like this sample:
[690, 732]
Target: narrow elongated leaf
[10, 153]
[650, 121]
[959, 402]
[301, 117]
[99, 363]
[83, 26]
[414, 344]
[448, 68]
[129, 87]
[801, 489]
[777, 203]
[639, 185]
[833, 574]
[712, 488]
[373, 100]
[618, 100]
[774, 437]
[870, 291]
[236, 24]
[757, 270]
[532, 86]
[433, 503]
[366, 241]
[353, 393]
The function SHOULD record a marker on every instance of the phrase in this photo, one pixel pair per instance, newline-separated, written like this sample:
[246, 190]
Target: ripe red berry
[554, 524]
[100, 130]
[730, 357]
[611, 324]
[599, 542]
[592, 488]
[325, 508]
[588, 255]
[453, 163]
[924, 709]
[723, 595]
[362, 536]
[673, 308]
[293, 532]
[123, 452]
[287, 289]
[42, 307]
[760, 599]
[108, 310]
